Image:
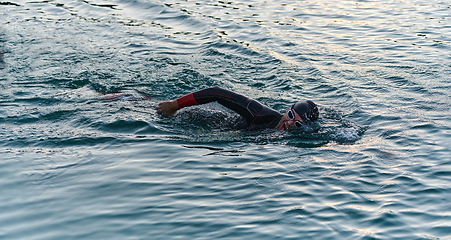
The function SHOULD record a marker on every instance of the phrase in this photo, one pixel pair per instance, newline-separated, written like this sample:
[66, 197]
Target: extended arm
[256, 114]
[229, 99]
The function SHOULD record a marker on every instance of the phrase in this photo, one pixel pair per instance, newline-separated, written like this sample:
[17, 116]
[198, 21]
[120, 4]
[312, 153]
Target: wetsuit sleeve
[253, 112]
[228, 99]
[187, 100]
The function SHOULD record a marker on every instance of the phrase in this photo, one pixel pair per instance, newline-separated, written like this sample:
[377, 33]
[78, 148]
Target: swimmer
[257, 115]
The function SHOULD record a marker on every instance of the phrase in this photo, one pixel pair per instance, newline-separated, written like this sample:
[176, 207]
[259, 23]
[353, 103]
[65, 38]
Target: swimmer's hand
[168, 107]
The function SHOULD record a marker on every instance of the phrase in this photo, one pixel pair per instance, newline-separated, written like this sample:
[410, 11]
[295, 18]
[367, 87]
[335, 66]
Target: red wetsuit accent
[187, 101]
[257, 115]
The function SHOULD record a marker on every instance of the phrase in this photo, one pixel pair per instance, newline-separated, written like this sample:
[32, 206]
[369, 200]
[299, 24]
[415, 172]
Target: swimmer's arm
[206, 95]
[171, 107]
[224, 97]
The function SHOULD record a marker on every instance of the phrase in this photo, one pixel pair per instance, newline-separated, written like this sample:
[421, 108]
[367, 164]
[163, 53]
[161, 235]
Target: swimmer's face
[290, 120]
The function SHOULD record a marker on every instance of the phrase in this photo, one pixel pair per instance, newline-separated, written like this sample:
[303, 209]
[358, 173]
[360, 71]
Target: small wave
[2, 59]
[122, 126]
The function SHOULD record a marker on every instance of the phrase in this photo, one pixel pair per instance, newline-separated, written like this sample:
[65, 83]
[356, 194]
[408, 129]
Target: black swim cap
[307, 110]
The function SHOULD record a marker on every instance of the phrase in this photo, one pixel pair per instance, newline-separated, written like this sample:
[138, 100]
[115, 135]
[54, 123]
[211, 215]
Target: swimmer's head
[307, 110]
[303, 112]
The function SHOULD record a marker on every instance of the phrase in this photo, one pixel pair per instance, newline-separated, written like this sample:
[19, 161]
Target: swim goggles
[290, 115]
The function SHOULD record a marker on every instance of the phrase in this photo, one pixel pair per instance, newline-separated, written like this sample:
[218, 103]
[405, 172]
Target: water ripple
[376, 165]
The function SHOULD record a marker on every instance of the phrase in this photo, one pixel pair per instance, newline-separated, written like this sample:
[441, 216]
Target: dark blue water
[73, 166]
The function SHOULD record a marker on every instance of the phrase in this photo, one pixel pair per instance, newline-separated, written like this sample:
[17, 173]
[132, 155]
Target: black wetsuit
[257, 115]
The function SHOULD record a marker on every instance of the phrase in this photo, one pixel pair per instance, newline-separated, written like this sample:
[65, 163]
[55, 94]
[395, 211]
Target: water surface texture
[73, 166]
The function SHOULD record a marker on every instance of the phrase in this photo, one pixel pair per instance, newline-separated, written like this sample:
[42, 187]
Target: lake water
[76, 167]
